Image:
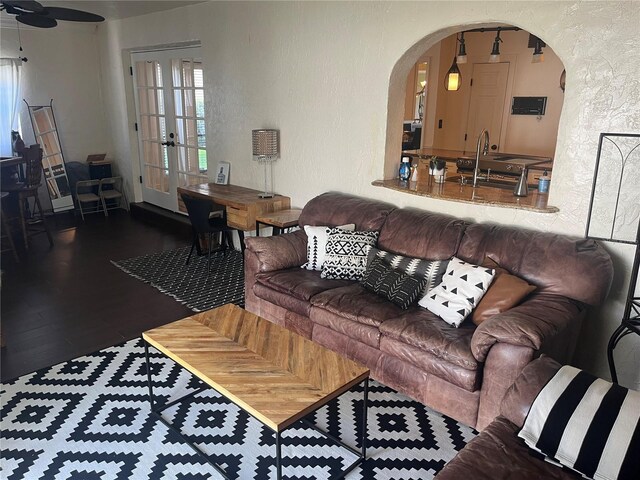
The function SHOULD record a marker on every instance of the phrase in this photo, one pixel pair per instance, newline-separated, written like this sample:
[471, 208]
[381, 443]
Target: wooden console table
[242, 204]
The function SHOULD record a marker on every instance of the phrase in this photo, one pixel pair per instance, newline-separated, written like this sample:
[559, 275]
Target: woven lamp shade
[266, 143]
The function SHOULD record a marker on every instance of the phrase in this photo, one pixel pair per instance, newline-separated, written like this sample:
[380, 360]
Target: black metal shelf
[617, 168]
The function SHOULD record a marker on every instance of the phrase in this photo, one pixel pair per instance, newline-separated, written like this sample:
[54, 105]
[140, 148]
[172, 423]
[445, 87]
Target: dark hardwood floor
[69, 300]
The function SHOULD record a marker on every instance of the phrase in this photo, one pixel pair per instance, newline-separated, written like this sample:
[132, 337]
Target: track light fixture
[453, 78]
[538, 56]
[462, 52]
[495, 52]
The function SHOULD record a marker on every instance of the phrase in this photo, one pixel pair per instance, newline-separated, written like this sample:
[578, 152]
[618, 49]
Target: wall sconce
[453, 78]
[266, 149]
[462, 52]
[495, 52]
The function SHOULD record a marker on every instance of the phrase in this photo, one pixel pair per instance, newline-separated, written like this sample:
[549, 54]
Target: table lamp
[266, 149]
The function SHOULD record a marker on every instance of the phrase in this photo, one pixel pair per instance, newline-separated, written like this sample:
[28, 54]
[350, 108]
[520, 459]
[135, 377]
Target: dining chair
[6, 231]
[207, 218]
[29, 189]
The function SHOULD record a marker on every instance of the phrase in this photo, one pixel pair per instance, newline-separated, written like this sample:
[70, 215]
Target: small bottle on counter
[543, 183]
[414, 173]
[405, 169]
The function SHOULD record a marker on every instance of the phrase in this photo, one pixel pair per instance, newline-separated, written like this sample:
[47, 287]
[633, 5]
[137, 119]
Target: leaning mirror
[46, 134]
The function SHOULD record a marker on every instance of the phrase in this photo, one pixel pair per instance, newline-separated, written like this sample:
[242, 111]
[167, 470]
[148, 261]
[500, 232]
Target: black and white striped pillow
[431, 270]
[587, 424]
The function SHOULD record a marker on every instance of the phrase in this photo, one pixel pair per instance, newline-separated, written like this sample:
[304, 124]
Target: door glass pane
[202, 159]
[176, 73]
[158, 74]
[151, 95]
[149, 73]
[182, 159]
[189, 103]
[187, 73]
[198, 76]
[201, 136]
[192, 137]
[177, 99]
[141, 77]
[199, 103]
[180, 131]
[160, 102]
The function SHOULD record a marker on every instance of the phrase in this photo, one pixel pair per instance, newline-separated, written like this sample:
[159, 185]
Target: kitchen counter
[455, 192]
[453, 155]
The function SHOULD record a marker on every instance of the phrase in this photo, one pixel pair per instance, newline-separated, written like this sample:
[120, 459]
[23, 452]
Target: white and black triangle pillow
[586, 424]
[347, 252]
[462, 287]
[317, 244]
[431, 270]
[394, 285]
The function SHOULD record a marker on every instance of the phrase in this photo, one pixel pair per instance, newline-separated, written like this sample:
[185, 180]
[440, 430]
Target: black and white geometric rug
[191, 284]
[89, 419]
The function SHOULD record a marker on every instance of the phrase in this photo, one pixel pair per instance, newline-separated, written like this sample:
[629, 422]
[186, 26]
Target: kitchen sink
[504, 184]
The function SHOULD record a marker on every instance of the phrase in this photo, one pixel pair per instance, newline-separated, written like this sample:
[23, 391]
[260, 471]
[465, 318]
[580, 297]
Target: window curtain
[9, 101]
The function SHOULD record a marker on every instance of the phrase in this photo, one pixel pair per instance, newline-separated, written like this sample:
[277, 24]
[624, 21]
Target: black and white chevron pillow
[394, 285]
[431, 270]
[587, 424]
[462, 287]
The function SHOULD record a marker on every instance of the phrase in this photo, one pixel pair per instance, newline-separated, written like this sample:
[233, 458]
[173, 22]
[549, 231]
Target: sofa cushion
[421, 234]
[498, 454]
[543, 259]
[463, 285]
[353, 311]
[506, 291]
[299, 283]
[347, 253]
[317, 245]
[423, 330]
[335, 208]
[394, 285]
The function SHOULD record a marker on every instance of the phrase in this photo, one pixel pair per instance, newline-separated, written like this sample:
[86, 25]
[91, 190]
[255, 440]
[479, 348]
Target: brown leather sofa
[497, 453]
[462, 372]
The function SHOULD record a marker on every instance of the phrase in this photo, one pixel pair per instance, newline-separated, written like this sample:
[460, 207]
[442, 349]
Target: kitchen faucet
[485, 150]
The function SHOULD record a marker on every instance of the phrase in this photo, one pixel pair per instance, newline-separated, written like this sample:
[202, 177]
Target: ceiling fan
[34, 14]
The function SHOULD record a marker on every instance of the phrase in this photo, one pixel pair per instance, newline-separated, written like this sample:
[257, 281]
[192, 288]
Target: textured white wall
[321, 73]
[64, 66]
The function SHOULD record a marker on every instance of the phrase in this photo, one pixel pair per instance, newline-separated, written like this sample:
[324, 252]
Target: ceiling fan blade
[36, 20]
[24, 6]
[71, 15]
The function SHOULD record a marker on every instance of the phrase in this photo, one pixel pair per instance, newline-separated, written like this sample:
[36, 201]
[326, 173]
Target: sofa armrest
[518, 399]
[279, 252]
[545, 322]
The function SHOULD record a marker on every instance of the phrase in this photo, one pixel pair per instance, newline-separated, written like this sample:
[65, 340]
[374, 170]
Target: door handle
[170, 143]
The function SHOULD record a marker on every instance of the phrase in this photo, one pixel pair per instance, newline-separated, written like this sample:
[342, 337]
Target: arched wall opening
[447, 115]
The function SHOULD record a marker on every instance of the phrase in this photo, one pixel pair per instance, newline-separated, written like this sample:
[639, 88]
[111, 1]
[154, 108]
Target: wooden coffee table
[273, 374]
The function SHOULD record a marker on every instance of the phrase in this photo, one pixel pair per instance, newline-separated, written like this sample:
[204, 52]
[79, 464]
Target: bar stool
[6, 231]
[24, 191]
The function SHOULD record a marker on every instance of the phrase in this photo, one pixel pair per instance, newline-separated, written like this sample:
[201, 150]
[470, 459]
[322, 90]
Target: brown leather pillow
[505, 292]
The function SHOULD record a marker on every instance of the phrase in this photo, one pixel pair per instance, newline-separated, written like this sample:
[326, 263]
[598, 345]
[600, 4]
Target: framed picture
[222, 173]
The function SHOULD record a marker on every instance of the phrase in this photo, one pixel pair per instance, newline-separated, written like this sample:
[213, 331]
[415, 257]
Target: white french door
[169, 95]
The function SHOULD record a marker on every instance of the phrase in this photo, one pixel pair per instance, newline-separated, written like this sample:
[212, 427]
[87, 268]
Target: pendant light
[495, 52]
[453, 78]
[462, 52]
